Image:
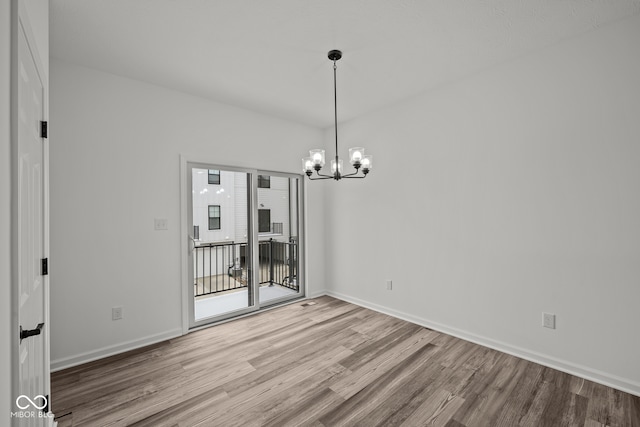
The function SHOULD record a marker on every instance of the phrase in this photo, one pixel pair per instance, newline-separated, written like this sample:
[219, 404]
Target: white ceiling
[271, 55]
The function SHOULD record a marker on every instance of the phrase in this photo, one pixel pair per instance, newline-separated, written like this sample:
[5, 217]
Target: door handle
[193, 241]
[26, 333]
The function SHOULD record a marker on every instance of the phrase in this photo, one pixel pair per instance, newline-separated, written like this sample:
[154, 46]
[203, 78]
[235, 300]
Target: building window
[214, 176]
[196, 232]
[264, 181]
[214, 217]
[264, 220]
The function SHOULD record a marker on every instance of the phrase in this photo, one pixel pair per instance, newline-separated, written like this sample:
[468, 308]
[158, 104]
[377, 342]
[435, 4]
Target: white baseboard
[585, 372]
[317, 294]
[90, 356]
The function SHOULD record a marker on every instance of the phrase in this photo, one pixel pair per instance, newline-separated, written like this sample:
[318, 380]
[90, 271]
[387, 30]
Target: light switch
[161, 224]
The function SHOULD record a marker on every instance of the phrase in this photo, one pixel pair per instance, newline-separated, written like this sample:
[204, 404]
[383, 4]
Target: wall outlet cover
[549, 320]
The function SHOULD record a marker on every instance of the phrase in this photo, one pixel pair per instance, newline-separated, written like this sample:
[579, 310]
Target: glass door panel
[221, 255]
[278, 238]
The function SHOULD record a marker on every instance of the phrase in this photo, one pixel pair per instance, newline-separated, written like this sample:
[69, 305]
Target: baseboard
[317, 294]
[90, 356]
[585, 372]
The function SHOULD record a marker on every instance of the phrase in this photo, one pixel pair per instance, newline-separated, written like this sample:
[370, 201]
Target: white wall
[114, 168]
[505, 195]
[5, 211]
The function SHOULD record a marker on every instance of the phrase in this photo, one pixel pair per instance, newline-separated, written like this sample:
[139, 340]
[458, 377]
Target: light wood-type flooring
[329, 364]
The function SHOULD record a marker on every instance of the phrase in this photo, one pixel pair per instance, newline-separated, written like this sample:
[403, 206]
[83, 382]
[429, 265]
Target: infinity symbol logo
[32, 402]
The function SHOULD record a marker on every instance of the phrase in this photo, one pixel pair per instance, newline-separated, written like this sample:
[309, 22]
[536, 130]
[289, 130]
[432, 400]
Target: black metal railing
[221, 267]
[279, 262]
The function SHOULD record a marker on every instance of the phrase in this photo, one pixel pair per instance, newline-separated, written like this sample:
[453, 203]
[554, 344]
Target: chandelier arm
[323, 175]
[353, 175]
[316, 178]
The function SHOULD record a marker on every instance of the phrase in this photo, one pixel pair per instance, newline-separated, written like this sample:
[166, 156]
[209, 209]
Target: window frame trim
[209, 217]
[209, 175]
[263, 180]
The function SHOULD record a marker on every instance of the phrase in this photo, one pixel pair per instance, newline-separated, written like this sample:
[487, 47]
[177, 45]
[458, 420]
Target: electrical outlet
[389, 285]
[549, 320]
[116, 313]
[160, 224]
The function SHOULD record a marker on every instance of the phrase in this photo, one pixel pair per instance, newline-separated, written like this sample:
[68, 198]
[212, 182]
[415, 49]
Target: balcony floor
[222, 303]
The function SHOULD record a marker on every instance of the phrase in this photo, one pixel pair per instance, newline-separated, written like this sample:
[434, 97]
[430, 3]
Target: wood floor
[329, 364]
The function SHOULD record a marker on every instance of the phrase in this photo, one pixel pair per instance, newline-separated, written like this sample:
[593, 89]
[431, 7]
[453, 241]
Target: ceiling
[270, 56]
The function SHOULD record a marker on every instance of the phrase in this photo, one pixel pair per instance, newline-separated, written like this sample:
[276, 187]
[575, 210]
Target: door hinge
[45, 266]
[43, 129]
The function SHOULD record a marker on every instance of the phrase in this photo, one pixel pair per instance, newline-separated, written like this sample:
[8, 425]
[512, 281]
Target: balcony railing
[221, 267]
[278, 263]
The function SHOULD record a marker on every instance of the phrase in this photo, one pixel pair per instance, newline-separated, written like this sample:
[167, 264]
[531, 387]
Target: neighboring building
[220, 207]
[220, 218]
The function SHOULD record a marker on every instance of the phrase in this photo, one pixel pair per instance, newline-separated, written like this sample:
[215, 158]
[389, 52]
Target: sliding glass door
[244, 232]
[278, 237]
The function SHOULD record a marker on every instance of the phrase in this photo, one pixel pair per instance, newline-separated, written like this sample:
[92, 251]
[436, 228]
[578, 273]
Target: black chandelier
[358, 160]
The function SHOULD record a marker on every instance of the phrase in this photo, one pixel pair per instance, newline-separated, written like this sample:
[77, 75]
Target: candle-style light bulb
[317, 157]
[333, 166]
[355, 155]
[307, 165]
[367, 163]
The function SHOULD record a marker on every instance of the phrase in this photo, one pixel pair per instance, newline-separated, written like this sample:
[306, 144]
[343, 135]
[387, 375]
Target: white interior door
[32, 365]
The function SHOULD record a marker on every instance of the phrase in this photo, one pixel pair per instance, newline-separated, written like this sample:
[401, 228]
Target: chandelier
[316, 159]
